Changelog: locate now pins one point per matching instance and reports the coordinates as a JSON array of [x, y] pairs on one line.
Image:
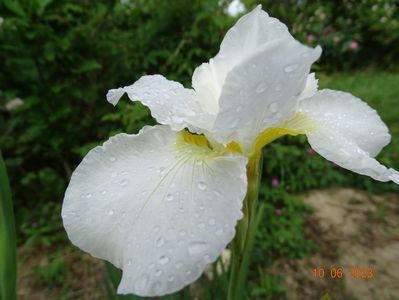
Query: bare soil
[[354, 231]]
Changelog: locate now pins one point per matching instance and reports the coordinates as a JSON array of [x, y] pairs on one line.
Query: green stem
[[242, 244], [8, 265]]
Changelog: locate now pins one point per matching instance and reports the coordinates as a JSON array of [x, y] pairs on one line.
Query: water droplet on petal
[[129, 262], [124, 182], [290, 68], [219, 232], [158, 273], [169, 197], [163, 260], [261, 87], [141, 283], [110, 212], [211, 222], [171, 278], [178, 265], [112, 158], [273, 107], [151, 266], [202, 185], [197, 247], [278, 87], [160, 242]]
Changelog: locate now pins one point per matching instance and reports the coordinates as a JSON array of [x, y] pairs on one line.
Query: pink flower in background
[[354, 45], [275, 182], [311, 151], [279, 211], [311, 38]]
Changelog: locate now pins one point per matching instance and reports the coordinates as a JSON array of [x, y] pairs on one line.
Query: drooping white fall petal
[[156, 206], [346, 131]]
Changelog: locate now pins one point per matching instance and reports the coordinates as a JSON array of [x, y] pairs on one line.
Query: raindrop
[[88, 195], [158, 273], [141, 283], [261, 87], [290, 68], [202, 185], [103, 192], [114, 174], [151, 266], [171, 278], [178, 265], [183, 233], [163, 260], [129, 262], [278, 87], [112, 158], [156, 287], [161, 170], [197, 247], [273, 107], [110, 212], [124, 182], [211, 222], [169, 197], [160, 242]]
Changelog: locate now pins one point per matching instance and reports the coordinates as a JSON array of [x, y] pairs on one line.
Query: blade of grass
[[8, 264]]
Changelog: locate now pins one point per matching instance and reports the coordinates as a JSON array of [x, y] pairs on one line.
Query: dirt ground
[[353, 230]]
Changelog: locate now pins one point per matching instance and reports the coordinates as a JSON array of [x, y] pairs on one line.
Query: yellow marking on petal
[[198, 146], [195, 139], [234, 147], [300, 124]]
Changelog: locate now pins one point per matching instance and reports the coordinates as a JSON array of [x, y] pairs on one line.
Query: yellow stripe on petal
[[300, 124]]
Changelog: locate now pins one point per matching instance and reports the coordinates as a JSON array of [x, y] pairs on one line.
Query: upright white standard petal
[[251, 32], [170, 103], [157, 205], [254, 82], [345, 130]]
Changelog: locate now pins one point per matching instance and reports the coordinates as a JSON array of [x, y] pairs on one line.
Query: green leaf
[[15, 7], [8, 265], [88, 66]]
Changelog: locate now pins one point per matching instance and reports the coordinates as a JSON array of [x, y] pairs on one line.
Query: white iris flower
[[164, 203]]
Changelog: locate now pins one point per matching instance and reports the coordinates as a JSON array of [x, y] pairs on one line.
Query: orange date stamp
[[341, 272]]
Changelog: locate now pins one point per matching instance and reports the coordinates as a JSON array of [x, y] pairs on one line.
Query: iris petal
[[156, 205]]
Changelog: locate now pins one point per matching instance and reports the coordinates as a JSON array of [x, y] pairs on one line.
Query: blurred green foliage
[[352, 33]]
